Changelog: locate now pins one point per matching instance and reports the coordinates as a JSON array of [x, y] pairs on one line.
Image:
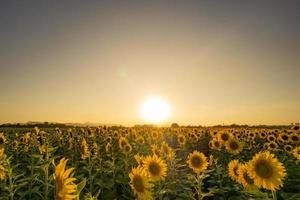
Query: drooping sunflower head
[[296, 152], [197, 162], [233, 168], [65, 189], [233, 146], [155, 167], [140, 184], [108, 147], [84, 149], [167, 151], [245, 179], [267, 171], [2, 172]]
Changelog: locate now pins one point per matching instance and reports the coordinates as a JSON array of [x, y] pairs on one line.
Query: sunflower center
[[138, 183], [154, 168], [234, 145], [127, 148], [294, 138], [217, 144], [263, 169], [225, 137], [196, 161], [288, 148], [284, 137], [123, 143], [235, 171]]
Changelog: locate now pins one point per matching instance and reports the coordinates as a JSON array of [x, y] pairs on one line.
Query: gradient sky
[[214, 61]]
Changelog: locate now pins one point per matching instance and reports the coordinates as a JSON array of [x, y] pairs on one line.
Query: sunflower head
[[271, 138], [197, 162], [288, 148], [245, 179], [167, 151], [122, 142], [294, 138], [224, 136], [65, 189], [215, 144], [155, 167], [233, 168], [266, 171], [296, 152], [233, 146], [140, 184], [127, 149], [272, 146], [181, 139]]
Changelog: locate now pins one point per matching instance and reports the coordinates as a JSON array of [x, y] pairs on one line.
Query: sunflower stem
[[274, 195]]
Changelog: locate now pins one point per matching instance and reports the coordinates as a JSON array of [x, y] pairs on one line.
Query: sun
[[155, 110]]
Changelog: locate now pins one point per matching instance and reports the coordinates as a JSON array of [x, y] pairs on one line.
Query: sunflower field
[[149, 163]]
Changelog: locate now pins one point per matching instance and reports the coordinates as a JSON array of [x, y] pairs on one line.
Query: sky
[[214, 62]]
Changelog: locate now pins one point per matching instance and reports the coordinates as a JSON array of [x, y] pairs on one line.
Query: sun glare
[[155, 110]]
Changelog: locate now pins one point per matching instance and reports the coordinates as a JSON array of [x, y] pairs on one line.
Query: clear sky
[[214, 61]]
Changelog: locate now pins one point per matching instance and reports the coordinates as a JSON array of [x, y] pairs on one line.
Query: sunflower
[[155, 149], [296, 152], [262, 135], [271, 138], [233, 168], [294, 138], [122, 142], [140, 140], [224, 136], [65, 189], [2, 168], [267, 171], [155, 135], [140, 184], [181, 139], [107, 147], [197, 162], [3, 139], [109, 139], [233, 146], [167, 151], [272, 146], [155, 167], [288, 148], [84, 149], [139, 159], [127, 149], [245, 179], [284, 137], [216, 144], [2, 172]]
